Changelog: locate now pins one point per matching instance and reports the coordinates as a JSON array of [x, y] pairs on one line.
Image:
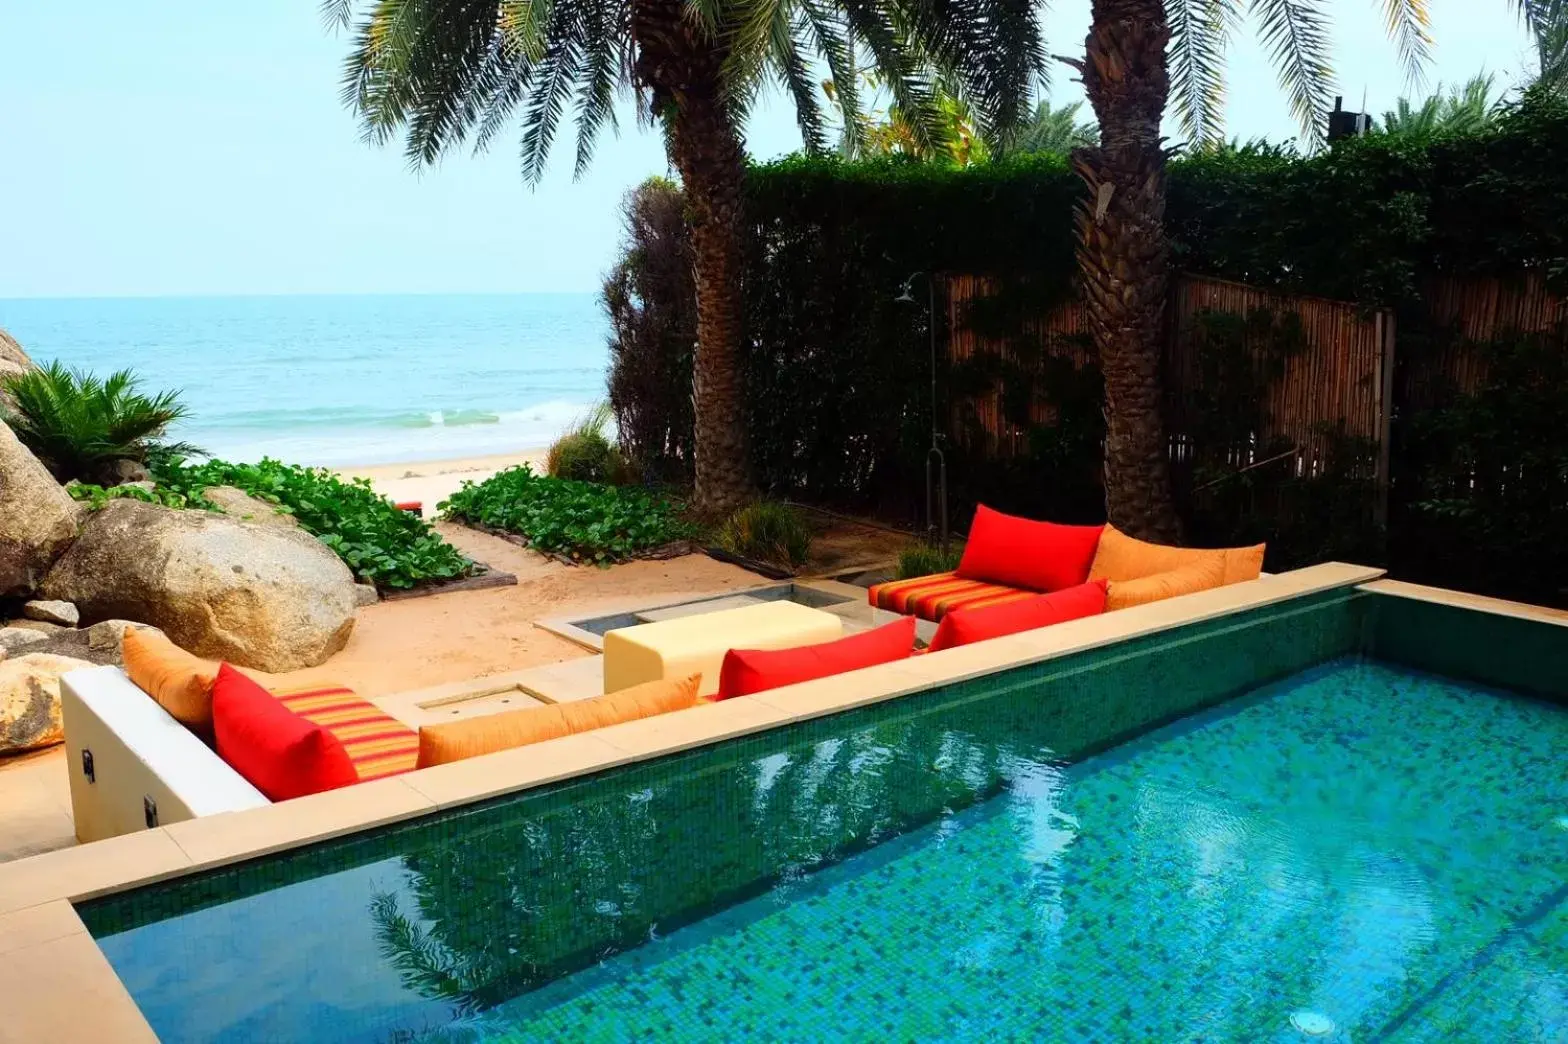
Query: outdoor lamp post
[[936, 461]]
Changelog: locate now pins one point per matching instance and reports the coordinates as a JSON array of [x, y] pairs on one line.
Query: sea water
[[339, 380]]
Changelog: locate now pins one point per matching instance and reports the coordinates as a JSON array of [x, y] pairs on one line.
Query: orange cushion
[[456, 740], [1020, 552], [965, 626], [746, 671], [180, 682], [933, 597], [377, 743], [280, 753], [1199, 576], [1121, 557]]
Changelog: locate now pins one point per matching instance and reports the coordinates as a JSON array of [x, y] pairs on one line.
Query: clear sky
[[199, 147]]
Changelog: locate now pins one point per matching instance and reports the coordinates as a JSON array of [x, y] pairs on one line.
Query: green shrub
[[380, 544], [923, 559], [95, 497], [767, 532], [80, 426], [585, 454], [581, 520]]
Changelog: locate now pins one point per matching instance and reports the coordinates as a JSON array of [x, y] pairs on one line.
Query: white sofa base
[[146, 768]]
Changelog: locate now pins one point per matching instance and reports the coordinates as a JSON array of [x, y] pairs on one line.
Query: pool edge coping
[[44, 888]]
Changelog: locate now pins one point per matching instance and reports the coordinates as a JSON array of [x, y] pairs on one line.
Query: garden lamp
[[936, 461]]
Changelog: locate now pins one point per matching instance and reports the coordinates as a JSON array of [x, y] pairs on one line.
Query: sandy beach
[[431, 481]]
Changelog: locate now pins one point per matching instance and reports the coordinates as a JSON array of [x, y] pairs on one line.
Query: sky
[[192, 147]]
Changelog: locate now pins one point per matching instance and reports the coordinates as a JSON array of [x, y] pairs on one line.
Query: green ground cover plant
[[579, 520], [767, 531], [380, 544]]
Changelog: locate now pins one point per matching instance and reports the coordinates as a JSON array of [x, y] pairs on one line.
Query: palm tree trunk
[[1123, 259], [682, 67]]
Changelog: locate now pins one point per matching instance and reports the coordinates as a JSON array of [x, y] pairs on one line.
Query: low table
[[691, 644]]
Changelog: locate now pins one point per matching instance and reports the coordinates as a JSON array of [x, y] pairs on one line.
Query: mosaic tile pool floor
[[1378, 848], [1359, 853]]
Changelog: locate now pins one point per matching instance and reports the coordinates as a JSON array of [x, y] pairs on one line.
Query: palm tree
[[1463, 110], [1053, 129], [1137, 54], [439, 71]]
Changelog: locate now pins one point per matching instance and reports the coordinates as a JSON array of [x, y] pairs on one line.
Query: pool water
[[1359, 852]]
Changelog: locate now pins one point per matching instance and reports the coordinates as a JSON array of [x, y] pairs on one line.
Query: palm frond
[[1200, 32], [1409, 22], [1295, 33], [77, 423]]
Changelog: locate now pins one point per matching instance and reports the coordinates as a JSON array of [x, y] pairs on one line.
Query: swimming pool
[[1273, 826]]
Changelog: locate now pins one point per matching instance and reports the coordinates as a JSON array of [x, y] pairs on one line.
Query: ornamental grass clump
[[925, 559], [769, 532], [586, 453], [584, 521]]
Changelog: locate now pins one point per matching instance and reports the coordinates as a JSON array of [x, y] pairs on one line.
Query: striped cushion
[[377, 743], [933, 597]]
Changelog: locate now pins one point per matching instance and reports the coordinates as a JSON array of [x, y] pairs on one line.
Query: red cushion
[[746, 671], [283, 755], [962, 626], [1020, 552]]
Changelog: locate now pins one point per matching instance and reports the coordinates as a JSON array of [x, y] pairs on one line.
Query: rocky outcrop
[[258, 595], [38, 519], [366, 594], [30, 700], [236, 503]]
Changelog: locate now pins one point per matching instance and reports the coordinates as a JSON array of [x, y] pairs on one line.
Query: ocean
[[340, 380]]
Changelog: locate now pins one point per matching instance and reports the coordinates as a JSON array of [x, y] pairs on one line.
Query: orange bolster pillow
[[179, 682], [457, 740], [1200, 576]]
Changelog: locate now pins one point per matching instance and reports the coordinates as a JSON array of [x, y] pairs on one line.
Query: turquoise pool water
[[1359, 852]]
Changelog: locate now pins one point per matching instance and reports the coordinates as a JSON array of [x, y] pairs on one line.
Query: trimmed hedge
[[837, 383]]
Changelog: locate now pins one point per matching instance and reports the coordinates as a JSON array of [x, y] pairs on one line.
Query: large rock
[[13, 360], [236, 503], [38, 519], [62, 613], [30, 700], [257, 595]]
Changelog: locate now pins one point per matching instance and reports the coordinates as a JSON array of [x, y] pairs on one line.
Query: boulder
[[38, 518], [366, 594], [105, 635], [258, 595], [236, 503], [12, 361], [124, 473], [62, 613], [30, 700], [15, 640]]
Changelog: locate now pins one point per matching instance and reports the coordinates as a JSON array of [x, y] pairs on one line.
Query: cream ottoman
[[691, 644]]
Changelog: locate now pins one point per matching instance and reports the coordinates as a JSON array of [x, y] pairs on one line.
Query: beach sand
[[432, 481]]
